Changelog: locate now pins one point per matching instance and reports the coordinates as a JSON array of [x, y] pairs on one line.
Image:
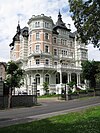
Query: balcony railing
[[39, 53], [68, 57], [40, 66], [50, 66]]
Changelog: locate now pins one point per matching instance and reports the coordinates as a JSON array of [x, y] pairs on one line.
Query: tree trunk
[[9, 97]]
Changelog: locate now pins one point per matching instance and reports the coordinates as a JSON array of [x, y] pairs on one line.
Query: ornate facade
[[48, 52]]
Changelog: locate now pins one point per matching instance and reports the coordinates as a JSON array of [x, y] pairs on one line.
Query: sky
[[12, 11]]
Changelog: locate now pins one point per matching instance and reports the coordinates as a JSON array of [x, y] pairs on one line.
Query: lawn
[[86, 121]]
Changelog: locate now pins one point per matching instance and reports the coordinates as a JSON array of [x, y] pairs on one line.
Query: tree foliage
[[89, 71], [14, 75], [45, 87], [98, 73], [86, 16], [13, 79]]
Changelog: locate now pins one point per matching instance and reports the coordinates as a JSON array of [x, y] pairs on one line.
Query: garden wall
[[18, 101], [90, 93]]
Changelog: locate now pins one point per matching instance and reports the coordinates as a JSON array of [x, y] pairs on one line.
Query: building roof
[[38, 17], [3, 63], [60, 24], [24, 32]]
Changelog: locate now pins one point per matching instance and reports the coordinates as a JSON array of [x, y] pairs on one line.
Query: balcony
[[35, 53], [39, 53], [50, 67], [67, 67], [40, 67], [65, 57]]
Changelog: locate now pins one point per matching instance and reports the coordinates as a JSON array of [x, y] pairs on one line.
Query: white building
[[48, 52]]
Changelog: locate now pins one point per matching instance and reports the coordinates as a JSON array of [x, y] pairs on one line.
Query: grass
[[86, 121]]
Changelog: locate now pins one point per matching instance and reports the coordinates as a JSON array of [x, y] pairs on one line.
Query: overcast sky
[[13, 10]]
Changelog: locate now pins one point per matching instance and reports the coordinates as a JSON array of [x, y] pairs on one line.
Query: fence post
[[66, 92], [34, 90]]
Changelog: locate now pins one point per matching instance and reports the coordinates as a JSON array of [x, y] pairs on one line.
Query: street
[[46, 109]]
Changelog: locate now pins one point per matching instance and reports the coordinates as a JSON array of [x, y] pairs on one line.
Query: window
[[84, 54], [64, 52], [47, 62], [30, 80], [37, 48], [61, 41], [55, 63], [37, 36], [46, 36], [46, 49], [55, 40], [65, 42], [30, 37], [71, 44], [30, 62], [47, 78], [46, 25], [71, 54], [37, 61], [37, 77], [30, 51], [37, 24], [55, 51]]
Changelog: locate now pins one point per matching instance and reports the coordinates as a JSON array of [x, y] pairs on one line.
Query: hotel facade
[[48, 52]]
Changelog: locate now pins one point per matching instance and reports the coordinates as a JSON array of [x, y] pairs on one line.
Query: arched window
[[37, 77], [35, 24], [47, 78]]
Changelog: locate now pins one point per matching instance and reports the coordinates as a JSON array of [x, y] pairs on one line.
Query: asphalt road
[[47, 108]]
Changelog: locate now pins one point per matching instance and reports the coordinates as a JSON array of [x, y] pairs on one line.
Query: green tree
[[13, 79], [89, 71], [86, 16], [45, 87], [98, 73]]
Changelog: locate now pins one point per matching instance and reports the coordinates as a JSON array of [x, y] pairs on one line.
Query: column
[[69, 77], [60, 77], [78, 78]]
